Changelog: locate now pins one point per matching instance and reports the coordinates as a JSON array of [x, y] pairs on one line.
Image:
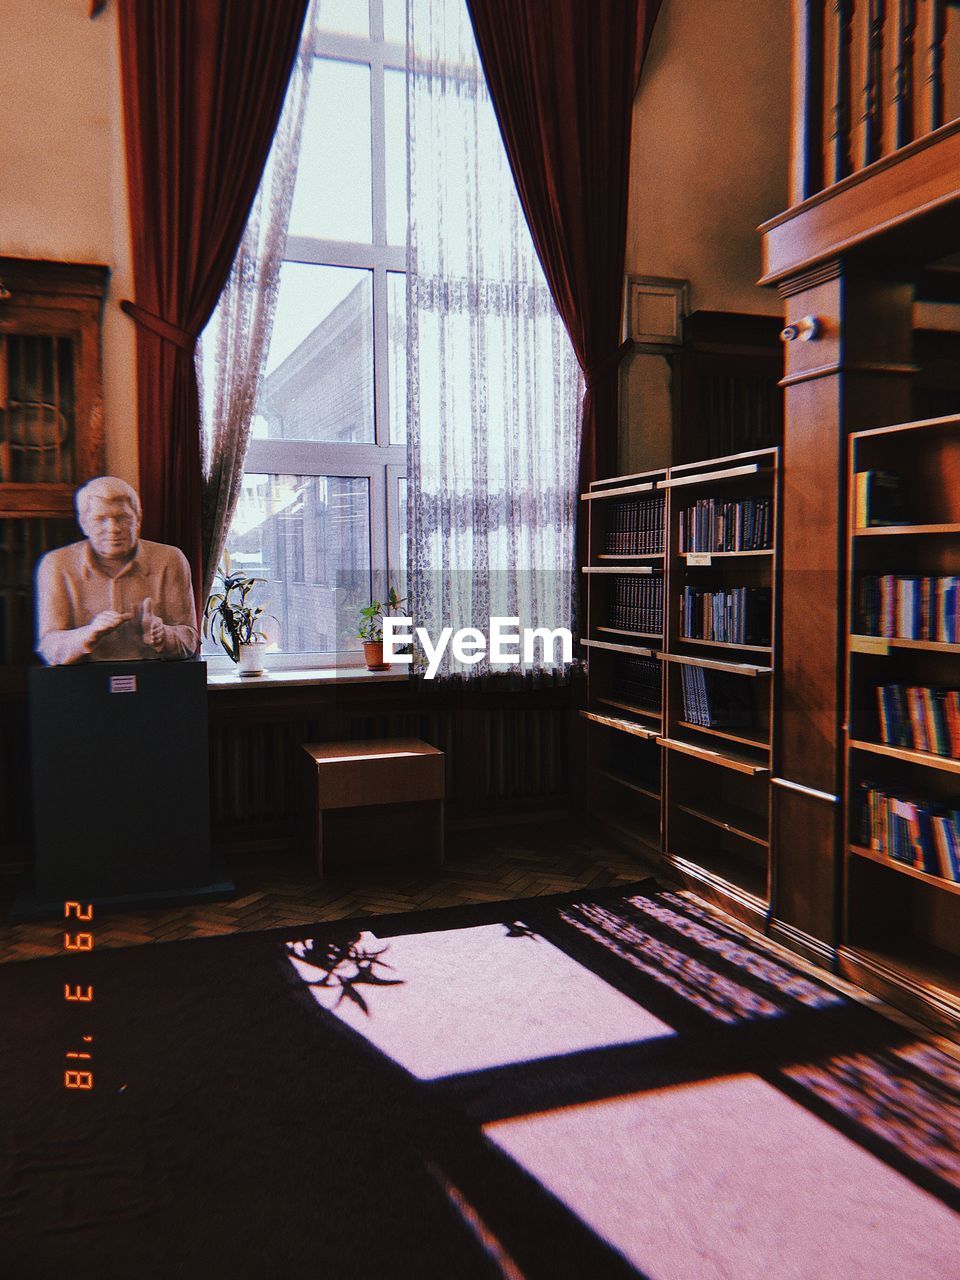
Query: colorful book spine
[[738, 616], [712, 526], [920, 718], [910, 607], [920, 833]]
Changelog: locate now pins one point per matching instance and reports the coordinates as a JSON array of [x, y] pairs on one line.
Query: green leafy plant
[[227, 615], [370, 629]]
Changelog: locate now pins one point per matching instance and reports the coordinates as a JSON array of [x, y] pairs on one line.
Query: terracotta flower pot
[[373, 655]]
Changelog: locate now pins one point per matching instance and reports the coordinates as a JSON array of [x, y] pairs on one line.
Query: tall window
[[322, 515]]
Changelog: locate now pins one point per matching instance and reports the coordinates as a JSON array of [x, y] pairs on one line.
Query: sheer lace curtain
[[494, 388], [233, 348]]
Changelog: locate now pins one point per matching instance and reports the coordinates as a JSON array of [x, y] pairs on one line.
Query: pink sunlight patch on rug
[[731, 1180], [476, 998]]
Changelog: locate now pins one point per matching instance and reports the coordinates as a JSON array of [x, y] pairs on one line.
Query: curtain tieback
[[162, 328], [606, 368]]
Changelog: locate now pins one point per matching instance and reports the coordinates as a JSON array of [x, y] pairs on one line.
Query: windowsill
[[293, 677]]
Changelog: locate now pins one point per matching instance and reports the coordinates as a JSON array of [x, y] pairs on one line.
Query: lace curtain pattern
[[233, 348], [493, 386]]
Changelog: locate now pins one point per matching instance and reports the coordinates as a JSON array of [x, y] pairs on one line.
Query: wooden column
[[856, 373]]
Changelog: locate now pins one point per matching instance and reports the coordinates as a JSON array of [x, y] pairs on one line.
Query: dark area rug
[[506, 1090]]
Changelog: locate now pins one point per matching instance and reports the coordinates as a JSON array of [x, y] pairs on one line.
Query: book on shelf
[[910, 607], [742, 525], [740, 615], [877, 499], [636, 603], [921, 833], [920, 718], [716, 699], [637, 681], [636, 527]]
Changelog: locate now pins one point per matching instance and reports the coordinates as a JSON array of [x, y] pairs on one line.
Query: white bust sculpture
[[114, 597]]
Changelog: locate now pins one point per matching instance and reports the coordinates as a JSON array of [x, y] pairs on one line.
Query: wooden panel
[[37, 500], [854, 376], [923, 178], [804, 835]]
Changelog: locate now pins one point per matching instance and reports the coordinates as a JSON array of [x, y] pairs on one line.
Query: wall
[[63, 177], [709, 162]]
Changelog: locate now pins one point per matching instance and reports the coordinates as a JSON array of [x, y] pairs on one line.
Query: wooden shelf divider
[[948, 764], [717, 664], [623, 726], [726, 759], [904, 868], [904, 530]]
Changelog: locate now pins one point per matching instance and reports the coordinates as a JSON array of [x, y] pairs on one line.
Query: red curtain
[[203, 86], [563, 75]]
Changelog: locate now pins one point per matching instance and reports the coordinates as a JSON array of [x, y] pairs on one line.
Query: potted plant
[[234, 623], [370, 630]]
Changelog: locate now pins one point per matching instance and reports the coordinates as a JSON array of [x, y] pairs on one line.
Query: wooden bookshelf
[[703, 790], [900, 931], [717, 772]]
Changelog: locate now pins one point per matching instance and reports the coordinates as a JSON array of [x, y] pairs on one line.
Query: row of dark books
[[920, 718], [877, 499], [738, 616], [636, 603], [716, 699], [636, 528], [637, 681], [910, 607], [921, 833], [743, 525]]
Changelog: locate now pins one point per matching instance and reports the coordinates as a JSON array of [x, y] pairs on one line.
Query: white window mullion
[[344, 253]]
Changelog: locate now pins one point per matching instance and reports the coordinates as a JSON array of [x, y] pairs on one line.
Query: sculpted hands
[[103, 624], [153, 632]]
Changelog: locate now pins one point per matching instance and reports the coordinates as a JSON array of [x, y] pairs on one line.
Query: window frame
[[381, 462]]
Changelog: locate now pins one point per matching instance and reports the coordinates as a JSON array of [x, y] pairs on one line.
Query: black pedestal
[[121, 790]]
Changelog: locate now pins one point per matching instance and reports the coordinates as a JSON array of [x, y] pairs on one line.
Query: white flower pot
[[251, 659]]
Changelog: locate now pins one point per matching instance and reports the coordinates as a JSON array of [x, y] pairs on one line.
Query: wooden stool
[[347, 775]]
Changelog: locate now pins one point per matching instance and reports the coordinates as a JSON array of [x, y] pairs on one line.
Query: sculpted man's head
[[108, 511]]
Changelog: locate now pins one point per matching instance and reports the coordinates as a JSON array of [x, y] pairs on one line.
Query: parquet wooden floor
[[489, 864]]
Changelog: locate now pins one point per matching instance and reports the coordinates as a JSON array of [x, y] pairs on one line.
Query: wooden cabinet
[[51, 441], [51, 422], [901, 847], [681, 638]]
